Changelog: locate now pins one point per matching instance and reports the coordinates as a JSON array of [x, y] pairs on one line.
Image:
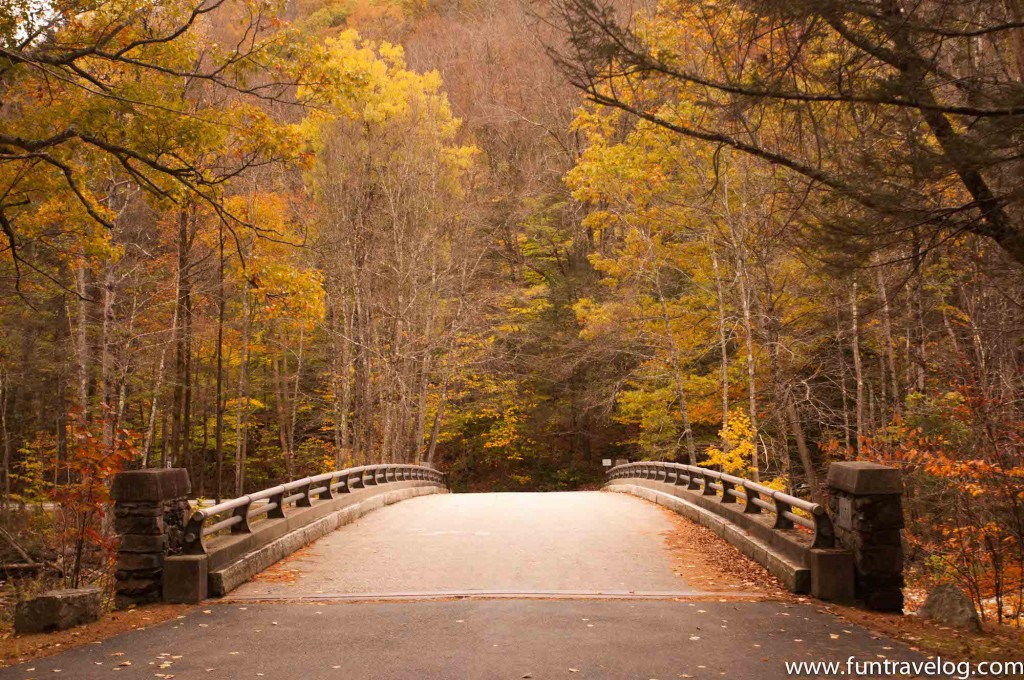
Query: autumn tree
[[898, 120], [399, 251]]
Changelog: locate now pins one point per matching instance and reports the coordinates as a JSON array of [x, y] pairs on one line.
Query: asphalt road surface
[[424, 640], [568, 585]]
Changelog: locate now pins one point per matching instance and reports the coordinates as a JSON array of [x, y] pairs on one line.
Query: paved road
[[580, 542], [584, 545], [474, 639]]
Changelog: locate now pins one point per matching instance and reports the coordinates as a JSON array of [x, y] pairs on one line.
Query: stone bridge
[[423, 583]]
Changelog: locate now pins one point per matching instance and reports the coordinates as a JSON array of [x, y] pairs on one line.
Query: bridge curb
[[825, 573], [223, 581], [232, 559]]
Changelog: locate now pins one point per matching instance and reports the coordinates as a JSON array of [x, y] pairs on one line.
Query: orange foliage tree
[[961, 455], [82, 503]]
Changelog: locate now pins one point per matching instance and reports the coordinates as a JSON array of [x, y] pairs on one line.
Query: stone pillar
[[865, 500], [150, 511]]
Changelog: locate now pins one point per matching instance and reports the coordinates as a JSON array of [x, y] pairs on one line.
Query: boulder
[[947, 604], [58, 610]]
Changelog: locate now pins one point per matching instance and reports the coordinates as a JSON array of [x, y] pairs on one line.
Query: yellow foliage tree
[[740, 449]]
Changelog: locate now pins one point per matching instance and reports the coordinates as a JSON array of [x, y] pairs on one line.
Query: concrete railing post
[[865, 500], [150, 511]]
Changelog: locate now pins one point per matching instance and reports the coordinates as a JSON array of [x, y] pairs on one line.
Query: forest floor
[[1003, 643], [712, 563], [708, 562], [15, 649]]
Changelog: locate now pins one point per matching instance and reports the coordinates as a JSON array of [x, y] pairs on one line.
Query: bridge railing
[[237, 514], [757, 498]]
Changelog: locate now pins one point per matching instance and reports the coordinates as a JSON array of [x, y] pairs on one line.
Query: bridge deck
[[495, 543], [531, 543]]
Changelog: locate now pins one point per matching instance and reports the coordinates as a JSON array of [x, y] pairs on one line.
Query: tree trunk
[[83, 340], [435, 430], [858, 371], [332, 310], [917, 310], [158, 383], [219, 427], [182, 400], [108, 405], [748, 329], [890, 346], [420, 428], [278, 367], [5, 435], [722, 341], [241, 422], [842, 375], [801, 447], [295, 396], [204, 450]]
